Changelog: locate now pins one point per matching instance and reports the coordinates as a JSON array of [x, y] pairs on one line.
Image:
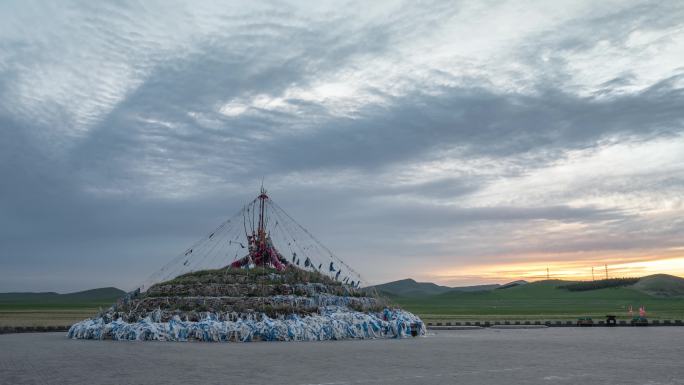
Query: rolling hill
[[410, 288], [87, 298], [663, 296], [661, 285], [660, 294]]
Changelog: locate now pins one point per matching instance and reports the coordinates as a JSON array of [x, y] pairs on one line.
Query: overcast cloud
[[411, 137]]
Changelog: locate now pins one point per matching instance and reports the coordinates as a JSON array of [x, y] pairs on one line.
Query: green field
[[52, 309], [663, 297], [45, 317], [539, 301]]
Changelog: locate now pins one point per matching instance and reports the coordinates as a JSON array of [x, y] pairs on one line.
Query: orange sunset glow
[[611, 267]]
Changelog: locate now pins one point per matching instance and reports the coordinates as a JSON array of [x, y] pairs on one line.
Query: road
[[538, 356]]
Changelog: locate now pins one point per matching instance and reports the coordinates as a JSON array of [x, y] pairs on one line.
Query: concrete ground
[[527, 356]]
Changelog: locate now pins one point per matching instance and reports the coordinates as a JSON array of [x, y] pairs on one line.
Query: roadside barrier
[[446, 325]]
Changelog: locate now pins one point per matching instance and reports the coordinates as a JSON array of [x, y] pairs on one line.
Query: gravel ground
[[527, 356]]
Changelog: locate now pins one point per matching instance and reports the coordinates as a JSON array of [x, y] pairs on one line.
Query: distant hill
[[661, 285], [411, 288], [513, 284], [658, 285], [542, 299], [93, 297], [470, 289]]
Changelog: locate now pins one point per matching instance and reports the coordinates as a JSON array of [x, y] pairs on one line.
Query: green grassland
[[543, 300], [52, 309], [45, 317], [662, 295]]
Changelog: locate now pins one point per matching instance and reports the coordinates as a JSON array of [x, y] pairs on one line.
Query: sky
[[454, 142]]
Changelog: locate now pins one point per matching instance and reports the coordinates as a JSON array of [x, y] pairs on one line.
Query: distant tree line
[[600, 284]]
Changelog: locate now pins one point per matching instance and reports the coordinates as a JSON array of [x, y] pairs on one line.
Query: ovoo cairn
[[260, 296]]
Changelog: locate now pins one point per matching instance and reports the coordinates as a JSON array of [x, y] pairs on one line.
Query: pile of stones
[[230, 294]]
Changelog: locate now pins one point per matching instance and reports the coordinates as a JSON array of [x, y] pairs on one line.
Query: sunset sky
[[454, 142]]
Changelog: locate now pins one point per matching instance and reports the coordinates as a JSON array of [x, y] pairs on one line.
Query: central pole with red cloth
[[261, 250]]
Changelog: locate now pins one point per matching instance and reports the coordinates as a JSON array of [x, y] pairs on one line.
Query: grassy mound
[[255, 275], [661, 285], [233, 293]]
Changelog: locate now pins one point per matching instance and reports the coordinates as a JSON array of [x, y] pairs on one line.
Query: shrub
[[600, 284]]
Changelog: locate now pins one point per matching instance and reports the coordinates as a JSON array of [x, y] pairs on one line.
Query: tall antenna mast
[[606, 271], [593, 278], [548, 276]]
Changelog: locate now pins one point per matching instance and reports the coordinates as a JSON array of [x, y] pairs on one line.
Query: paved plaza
[[538, 356]]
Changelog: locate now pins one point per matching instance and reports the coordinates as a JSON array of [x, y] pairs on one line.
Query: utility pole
[[606, 271], [593, 278], [548, 276]]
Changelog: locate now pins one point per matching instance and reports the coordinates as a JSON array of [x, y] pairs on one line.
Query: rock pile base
[[333, 323], [258, 304]]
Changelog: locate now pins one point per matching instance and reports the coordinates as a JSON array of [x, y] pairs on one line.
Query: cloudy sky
[[455, 142]]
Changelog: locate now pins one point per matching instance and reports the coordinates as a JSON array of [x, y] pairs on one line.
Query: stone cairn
[[260, 296], [230, 294]]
